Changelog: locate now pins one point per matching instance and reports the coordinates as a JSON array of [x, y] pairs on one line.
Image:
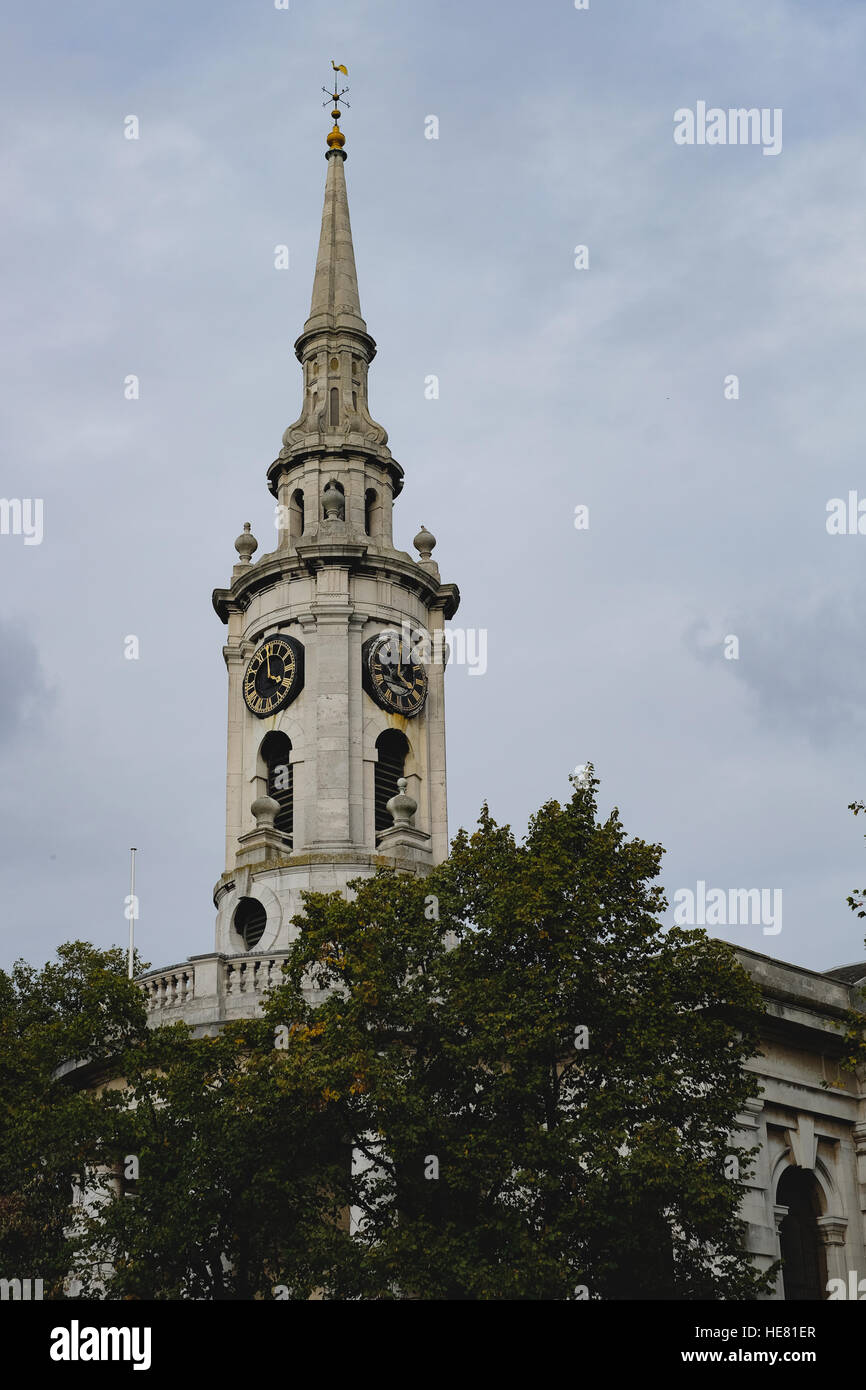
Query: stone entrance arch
[[799, 1203]]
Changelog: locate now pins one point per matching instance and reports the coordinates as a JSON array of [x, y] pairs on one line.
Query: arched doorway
[[804, 1265]]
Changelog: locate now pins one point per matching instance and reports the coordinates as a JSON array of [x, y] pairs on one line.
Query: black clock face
[[274, 676], [391, 677]]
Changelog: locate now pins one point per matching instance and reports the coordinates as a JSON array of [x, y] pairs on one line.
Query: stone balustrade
[[253, 974], [209, 990], [168, 989]]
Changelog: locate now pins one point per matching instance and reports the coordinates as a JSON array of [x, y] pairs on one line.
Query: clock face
[[390, 676], [274, 676]]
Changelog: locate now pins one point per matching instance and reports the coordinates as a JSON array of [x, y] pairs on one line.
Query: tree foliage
[[561, 1167], [519, 1084], [81, 1006]]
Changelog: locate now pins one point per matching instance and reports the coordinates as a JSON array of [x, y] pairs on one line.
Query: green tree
[[537, 1082], [232, 1163], [540, 1078], [81, 1006], [199, 1164]]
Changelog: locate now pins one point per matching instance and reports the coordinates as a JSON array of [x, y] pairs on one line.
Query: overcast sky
[[559, 387]]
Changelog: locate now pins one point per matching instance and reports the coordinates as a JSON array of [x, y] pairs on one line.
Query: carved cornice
[[360, 558]]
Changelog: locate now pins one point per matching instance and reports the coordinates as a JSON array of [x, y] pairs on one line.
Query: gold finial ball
[[336, 139]]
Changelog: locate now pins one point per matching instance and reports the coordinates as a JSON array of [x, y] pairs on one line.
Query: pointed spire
[[335, 349], [335, 303]]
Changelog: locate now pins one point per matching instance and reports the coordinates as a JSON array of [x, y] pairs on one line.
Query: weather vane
[[336, 96], [336, 139]]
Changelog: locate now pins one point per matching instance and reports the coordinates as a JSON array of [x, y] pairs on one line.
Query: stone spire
[[310, 768], [335, 349], [335, 303]]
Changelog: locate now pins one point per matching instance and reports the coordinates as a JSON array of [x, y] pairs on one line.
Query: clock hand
[[395, 678]]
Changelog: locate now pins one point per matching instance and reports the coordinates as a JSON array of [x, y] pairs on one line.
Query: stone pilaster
[[437, 796], [833, 1234], [235, 654], [331, 694], [779, 1214]]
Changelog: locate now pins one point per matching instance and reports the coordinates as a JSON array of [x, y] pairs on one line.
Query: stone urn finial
[[334, 502], [401, 806], [424, 542], [264, 808], [246, 544]]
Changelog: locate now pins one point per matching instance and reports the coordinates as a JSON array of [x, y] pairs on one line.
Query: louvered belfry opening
[[250, 921], [276, 752], [392, 747]]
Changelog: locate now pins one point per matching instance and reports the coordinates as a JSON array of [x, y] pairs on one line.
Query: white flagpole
[[131, 908]]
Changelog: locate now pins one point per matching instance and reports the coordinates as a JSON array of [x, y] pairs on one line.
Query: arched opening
[[249, 921], [370, 510], [804, 1264], [276, 751], [296, 514], [334, 396], [392, 748]]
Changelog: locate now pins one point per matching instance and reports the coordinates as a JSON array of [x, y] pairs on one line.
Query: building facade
[[806, 1201]]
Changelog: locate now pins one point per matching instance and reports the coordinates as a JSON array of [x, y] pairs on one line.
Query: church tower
[[335, 648]]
